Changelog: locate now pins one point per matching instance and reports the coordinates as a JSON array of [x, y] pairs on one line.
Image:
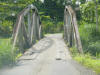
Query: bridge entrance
[[28, 28], [50, 55]]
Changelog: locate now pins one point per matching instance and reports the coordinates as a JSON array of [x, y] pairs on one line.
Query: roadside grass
[[88, 61], [5, 52], [90, 39]]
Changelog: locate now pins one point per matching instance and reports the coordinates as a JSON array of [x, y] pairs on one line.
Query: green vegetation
[[5, 52], [91, 44], [90, 38], [89, 29], [52, 14], [9, 10], [88, 61], [51, 26]]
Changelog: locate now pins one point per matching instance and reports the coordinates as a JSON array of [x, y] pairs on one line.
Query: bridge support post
[[71, 29], [29, 27], [26, 33]]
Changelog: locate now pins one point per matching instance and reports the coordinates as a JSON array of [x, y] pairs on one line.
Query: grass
[[90, 38], [91, 46], [5, 52], [89, 62]]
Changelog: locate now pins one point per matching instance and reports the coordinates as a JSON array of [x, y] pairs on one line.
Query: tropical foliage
[[52, 14]]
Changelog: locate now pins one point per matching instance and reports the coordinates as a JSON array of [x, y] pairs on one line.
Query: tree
[[7, 8], [54, 8], [96, 13]]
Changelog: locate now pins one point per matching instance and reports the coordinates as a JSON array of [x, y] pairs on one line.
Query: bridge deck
[[49, 56]]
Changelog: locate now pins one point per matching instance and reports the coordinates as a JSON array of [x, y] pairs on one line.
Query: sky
[[42, 0]]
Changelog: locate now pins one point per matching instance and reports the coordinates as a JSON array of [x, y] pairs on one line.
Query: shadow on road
[[41, 46], [35, 51]]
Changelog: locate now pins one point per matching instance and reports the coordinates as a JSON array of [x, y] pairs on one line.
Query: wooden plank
[[20, 41], [40, 32], [25, 35], [37, 26], [75, 25], [29, 26], [77, 35], [33, 30], [29, 35], [16, 33], [65, 28]]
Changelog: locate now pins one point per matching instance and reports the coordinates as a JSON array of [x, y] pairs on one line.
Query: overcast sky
[[42, 0]]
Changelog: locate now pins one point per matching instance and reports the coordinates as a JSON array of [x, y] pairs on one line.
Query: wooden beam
[[75, 27], [27, 34]]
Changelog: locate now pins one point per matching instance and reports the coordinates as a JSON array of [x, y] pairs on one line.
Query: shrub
[[74, 51], [6, 26], [45, 18], [90, 38], [94, 48], [48, 26], [59, 27], [5, 52]]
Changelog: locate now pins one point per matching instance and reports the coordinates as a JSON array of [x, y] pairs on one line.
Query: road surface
[[50, 56]]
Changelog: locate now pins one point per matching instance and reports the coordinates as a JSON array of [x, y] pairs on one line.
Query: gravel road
[[50, 56]]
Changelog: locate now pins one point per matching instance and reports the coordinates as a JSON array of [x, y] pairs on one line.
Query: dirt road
[[50, 56]]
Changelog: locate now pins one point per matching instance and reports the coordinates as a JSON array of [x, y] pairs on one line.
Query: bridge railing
[[71, 33], [27, 28]]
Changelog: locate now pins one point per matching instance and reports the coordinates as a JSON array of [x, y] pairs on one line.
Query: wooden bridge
[[28, 28], [50, 55]]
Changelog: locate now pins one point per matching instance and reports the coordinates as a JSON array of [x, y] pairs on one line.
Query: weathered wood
[[20, 40], [29, 25], [35, 27], [72, 33], [26, 34], [79, 45], [40, 32], [65, 27], [33, 33], [16, 32], [38, 26]]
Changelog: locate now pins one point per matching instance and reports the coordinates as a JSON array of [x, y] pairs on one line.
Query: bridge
[[46, 54]]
